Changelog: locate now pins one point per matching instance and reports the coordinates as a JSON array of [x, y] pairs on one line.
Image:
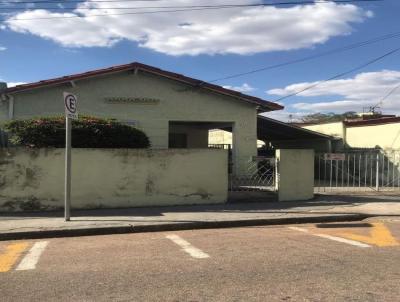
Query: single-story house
[[274, 134], [366, 132], [175, 111]]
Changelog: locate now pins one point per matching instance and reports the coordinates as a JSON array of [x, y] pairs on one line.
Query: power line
[[333, 51], [74, 1], [389, 94], [115, 14], [198, 8], [181, 6], [386, 96], [339, 75], [116, 1], [380, 103], [178, 7]]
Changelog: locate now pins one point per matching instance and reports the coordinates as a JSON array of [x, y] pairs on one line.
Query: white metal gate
[[259, 176], [361, 170]]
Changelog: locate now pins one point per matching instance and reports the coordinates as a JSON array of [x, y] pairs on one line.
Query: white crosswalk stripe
[[333, 238], [343, 240], [187, 247], [31, 259]]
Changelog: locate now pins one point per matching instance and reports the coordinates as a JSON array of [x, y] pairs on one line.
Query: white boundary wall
[[32, 179]]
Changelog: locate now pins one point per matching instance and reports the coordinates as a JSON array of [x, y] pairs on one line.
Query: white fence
[[361, 170]]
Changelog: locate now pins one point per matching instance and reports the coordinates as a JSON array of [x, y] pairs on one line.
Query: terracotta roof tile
[[371, 122]]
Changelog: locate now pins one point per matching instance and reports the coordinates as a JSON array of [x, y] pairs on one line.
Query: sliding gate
[[361, 170]]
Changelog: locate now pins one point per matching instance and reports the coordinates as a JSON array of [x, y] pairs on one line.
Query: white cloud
[[244, 88], [363, 90], [235, 30], [12, 84], [2, 48]]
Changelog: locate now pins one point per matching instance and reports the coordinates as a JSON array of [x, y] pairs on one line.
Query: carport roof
[[263, 105], [269, 129]]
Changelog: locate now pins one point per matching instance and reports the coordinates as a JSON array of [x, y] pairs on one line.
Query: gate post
[[295, 174], [377, 172]]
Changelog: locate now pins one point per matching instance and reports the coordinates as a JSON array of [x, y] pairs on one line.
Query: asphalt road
[[327, 262]]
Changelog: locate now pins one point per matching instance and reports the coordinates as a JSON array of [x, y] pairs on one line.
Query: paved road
[[327, 262]]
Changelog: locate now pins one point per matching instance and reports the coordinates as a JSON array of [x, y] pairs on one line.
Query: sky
[[49, 40]]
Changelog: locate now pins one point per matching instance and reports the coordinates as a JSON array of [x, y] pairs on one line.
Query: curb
[[178, 226]]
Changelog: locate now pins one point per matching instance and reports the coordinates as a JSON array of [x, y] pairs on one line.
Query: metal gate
[[361, 170], [259, 176]]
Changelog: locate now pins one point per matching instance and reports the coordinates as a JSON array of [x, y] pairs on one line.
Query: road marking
[[299, 229], [343, 240], [334, 238], [31, 259], [13, 251], [187, 247], [379, 236]]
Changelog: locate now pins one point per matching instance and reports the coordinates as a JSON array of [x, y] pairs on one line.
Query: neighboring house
[[175, 111], [274, 134], [217, 137], [376, 131]]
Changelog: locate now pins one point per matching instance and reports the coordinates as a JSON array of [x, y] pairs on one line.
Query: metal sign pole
[[377, 172], [67, 200], [71, 112]]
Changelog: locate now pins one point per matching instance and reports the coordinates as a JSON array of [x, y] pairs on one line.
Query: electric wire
[[304, 59], [221, 6], [387, 95], [117, 1], [169, 10], [340, 74]]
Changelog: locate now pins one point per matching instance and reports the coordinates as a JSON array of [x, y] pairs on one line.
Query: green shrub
[[87, 132]]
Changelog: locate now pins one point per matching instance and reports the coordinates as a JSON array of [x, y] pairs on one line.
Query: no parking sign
[[71, 112], [71, 105]]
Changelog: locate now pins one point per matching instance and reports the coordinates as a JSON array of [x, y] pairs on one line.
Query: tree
[[87, 132], [328, 117]]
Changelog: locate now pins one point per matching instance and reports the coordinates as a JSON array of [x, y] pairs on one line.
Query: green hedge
[[87, 132]]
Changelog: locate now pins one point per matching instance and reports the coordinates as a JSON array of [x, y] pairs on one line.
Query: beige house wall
[[34, 178], [334, 129], [177, 102], [218, 137], [295, 174], [385, 136]]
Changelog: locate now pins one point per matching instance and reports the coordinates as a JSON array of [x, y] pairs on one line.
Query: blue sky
[[212, 44]]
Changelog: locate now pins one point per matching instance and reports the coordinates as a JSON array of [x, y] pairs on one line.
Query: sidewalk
[[324, 208]]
